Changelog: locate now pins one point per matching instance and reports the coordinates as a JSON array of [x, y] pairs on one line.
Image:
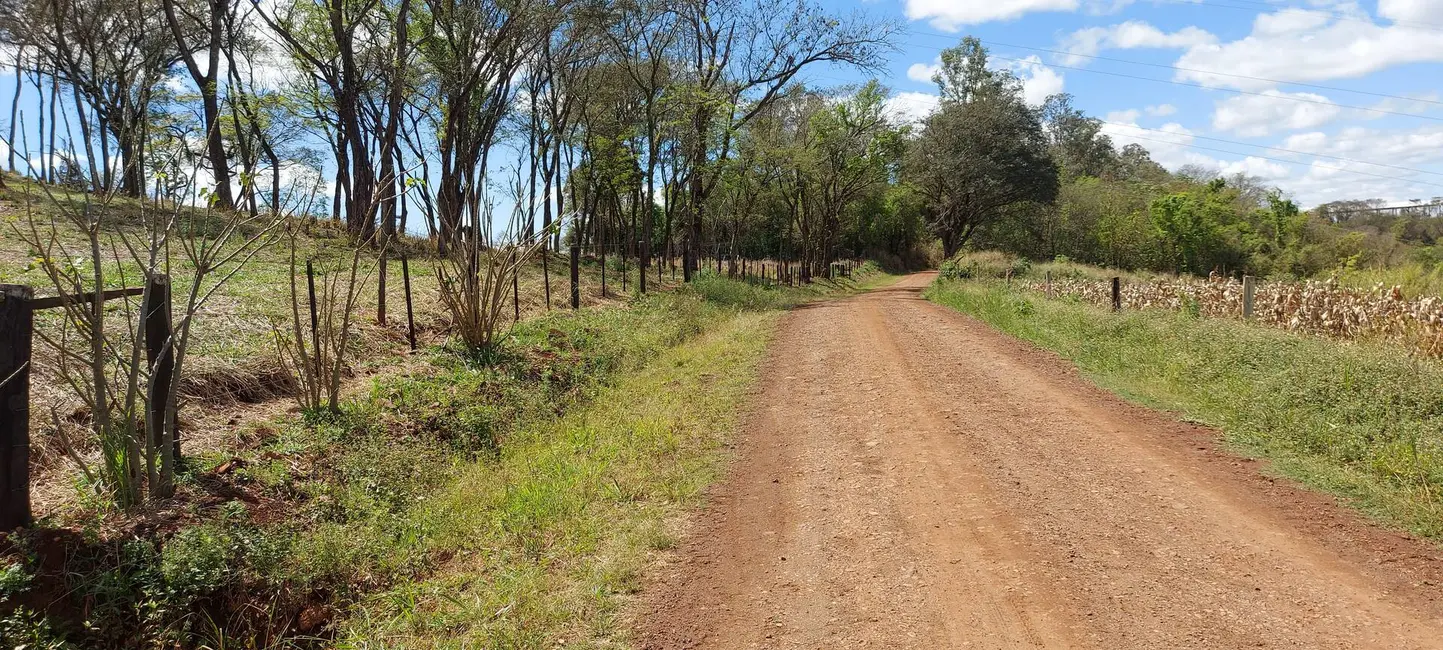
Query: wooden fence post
[[686, 265], [576, 276], [160, 356], [410, 314], [17, 323], [315, 322], [643, 256], [1116, 293], [516, 294], [1048, 285], [546, 272], [1248, 289], [382, 265]]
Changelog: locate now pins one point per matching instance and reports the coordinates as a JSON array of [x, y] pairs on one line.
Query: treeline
[[645, 126], [1046, 182]]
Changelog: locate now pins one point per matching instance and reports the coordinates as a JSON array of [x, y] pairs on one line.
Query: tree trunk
[[15, 104]]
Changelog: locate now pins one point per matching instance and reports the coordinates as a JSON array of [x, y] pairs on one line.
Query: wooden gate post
[[1116, 293], [17, 323], [576, 276], [160, 357], [546, 271], [410, 313]]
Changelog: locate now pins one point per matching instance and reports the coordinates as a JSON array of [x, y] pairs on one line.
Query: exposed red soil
[[910, 477]]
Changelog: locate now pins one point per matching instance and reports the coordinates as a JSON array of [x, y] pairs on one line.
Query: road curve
[[910, 478]]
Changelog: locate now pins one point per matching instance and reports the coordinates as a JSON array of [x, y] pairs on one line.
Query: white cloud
[[951, 15], [1255, 116], [1330, 179], [1289, 21], [1168, 144], [1410, 10], [1254, 166], [1419, 148], [923, 72], [1038, 80], [1408, 103], [1128, 116], [910, 107], [1312, 180], [1297, 46], [1132, 34], [1161, 110]]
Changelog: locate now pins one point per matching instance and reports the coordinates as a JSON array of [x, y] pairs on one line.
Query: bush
[[983, 265]]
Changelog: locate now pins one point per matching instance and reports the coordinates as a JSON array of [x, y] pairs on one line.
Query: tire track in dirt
[[909, 477]]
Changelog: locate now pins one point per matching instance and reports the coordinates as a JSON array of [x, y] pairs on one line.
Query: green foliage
[[984, 265], [1359, 420], [24, 629], [14, 579], [982, 152]]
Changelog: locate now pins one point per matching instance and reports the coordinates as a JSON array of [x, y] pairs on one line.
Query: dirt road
[[910, 478]]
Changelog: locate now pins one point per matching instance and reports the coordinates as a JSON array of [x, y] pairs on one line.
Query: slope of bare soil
[[911, 478]]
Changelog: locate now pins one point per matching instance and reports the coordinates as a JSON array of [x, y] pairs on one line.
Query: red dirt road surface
[[910, 478]]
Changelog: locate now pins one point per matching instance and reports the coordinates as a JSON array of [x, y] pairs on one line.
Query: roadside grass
[[501, 500], [990, 265], [757, 294], [1362, 421], [545, 541]]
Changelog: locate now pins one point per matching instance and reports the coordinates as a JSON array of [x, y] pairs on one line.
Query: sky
[[1325, 100]]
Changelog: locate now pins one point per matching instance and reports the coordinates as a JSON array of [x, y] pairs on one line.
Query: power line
[[1197, 71], [1254, 155], [1336, 15], [1287, 162], [1292, 151], [1283, 96]]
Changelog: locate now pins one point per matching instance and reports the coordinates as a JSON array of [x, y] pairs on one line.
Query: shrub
[[982, 265]]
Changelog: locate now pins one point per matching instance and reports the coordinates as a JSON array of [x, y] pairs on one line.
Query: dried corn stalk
[[1320, 307]]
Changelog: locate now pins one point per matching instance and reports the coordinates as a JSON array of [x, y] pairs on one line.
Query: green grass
[[1416, 279], [546, 541], [502, 500], [755, 294], [1362, 421]]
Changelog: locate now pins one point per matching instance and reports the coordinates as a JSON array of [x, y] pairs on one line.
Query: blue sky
[[1325, 100], [1279, 110]]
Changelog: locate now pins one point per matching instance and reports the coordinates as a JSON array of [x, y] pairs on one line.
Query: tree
[[202, 30], [112, 56], [855, 145], [1077, 141], [981, 152], [741, 54]]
